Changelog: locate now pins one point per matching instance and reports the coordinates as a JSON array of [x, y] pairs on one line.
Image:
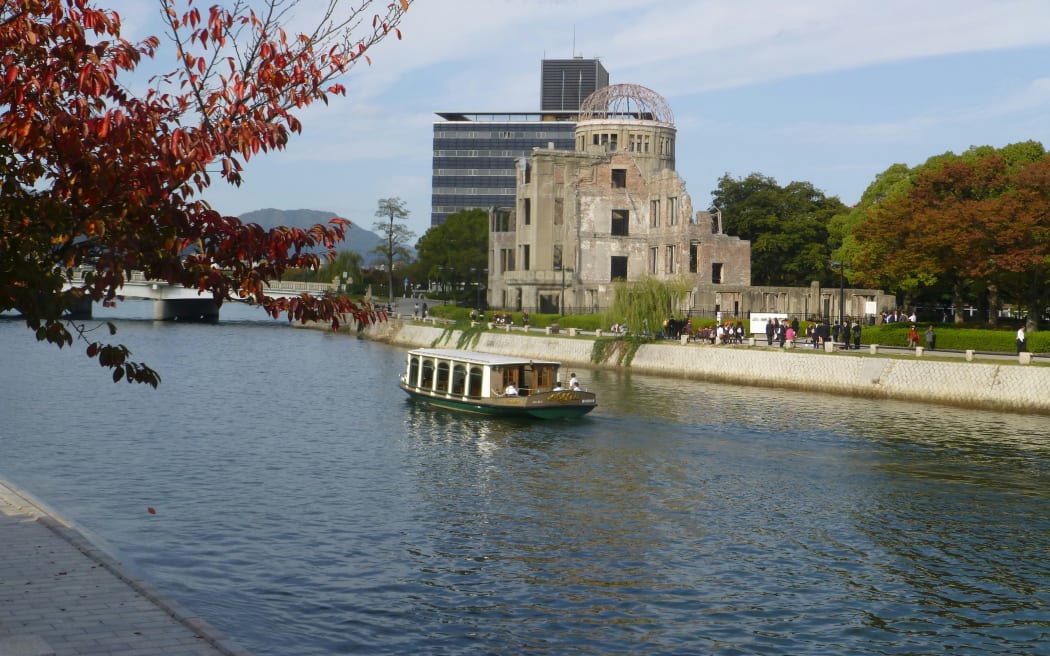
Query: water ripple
[[305, 506]]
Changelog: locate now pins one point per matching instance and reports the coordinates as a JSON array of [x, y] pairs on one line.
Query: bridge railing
[[278, 286], [299, 286]]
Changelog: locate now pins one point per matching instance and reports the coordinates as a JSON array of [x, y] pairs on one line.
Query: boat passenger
[[511, 390], [558, 387], [574, 386]]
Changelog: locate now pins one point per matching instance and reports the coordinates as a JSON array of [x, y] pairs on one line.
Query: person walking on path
[[931, 338], [1022, 343], [913, 337]]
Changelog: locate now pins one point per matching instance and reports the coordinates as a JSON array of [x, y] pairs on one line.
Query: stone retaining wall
[[1007, 387]]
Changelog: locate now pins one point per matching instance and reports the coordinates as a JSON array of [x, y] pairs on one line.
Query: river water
[[305, 506]]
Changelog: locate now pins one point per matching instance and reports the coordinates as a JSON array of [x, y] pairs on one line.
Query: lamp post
[[477, 282], [562, 297], [842, 288]]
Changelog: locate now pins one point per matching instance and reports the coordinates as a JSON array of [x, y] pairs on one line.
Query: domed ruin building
[[613, 208]]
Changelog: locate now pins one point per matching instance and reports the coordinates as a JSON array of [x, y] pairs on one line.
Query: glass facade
[[474, 158], [474, 153]]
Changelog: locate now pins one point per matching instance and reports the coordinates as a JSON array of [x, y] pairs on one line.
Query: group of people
[[506, 318], [777, 331], [897, 316], [574, 386], [416, 309], [931, 337], [847, 332]]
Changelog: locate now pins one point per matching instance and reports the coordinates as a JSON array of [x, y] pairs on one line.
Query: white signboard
[[758, 321]]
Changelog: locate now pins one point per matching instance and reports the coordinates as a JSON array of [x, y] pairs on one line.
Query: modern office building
[[475, 152], [566, 83]]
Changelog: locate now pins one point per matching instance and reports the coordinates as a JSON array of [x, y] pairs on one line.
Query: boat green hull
[[565, 405]]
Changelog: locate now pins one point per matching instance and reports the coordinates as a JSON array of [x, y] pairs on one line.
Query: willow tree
[[645, 304], [96, 174]]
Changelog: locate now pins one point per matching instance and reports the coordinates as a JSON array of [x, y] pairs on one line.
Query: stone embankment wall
[[1007, 387]]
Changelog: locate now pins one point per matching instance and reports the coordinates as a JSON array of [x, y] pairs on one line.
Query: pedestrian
[[769, 332], [913, 337], [931, 338], [1022, 343], [424, 310], [415, 310], [856, 335]]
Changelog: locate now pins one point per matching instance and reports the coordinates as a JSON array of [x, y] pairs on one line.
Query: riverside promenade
[[996, 384], [62, 596]]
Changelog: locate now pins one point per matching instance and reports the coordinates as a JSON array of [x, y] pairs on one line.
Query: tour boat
[[488, 384]]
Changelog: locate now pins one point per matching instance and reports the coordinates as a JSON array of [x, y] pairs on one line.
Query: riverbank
[[61, 594], [1004, 386]]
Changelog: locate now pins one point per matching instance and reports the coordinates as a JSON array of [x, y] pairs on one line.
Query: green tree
[[345, 262], [457, 250], [787, 227], [395, 237]]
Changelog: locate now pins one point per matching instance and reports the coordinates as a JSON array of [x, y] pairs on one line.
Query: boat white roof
[[476, 357]]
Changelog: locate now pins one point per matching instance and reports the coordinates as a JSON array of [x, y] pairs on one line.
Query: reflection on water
[[306, 506]]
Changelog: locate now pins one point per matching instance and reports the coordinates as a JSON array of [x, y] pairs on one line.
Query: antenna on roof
[[574, 40]]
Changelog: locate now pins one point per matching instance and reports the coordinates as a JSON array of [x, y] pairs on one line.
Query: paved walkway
[[62, 596]]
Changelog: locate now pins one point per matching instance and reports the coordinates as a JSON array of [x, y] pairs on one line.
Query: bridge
[[177, 303]]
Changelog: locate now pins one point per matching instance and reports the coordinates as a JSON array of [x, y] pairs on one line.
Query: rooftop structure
[[474, 152]]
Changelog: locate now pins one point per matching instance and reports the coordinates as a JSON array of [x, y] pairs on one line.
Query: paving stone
[[62, 596]]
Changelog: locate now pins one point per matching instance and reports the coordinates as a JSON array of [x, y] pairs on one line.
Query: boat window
[[543, 377], [475, 381], [442, 377], [413, 371], [459, 379], [428, 374]]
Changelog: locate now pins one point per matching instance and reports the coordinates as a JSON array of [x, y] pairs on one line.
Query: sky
[[830, 92]]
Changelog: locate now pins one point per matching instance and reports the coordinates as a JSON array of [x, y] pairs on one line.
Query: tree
[[395, 235], [787, 227], [346, 267], [457, 250], [645, 304], [976, 218], [93, 175], [841, 238]]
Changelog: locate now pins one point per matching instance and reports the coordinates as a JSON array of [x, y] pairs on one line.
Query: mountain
[[357, 240]]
